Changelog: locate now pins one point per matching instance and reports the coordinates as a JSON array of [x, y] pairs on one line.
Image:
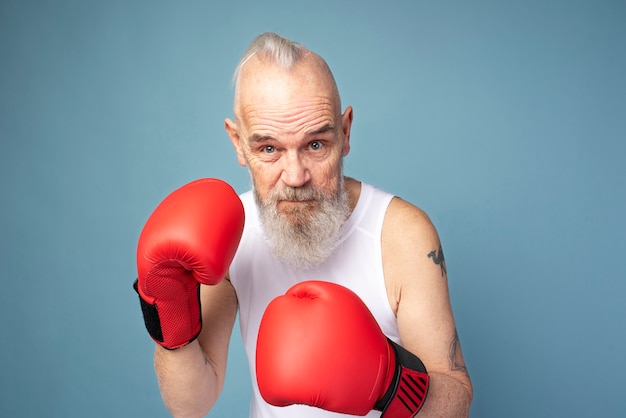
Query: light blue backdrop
[[504, 120]]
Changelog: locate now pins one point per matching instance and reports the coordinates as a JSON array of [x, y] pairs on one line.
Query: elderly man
[[341, 287]]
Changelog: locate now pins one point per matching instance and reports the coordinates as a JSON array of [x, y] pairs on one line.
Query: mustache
[[296, 194]]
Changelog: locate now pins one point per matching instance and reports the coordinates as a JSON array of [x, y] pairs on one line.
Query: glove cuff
[[153, 323], [409, 387]]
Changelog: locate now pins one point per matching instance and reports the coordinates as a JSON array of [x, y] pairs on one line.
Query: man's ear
[[235, 139], [346, 125]]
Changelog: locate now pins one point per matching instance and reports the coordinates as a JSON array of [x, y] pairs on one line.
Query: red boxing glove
[[190, 238], [319, 345]]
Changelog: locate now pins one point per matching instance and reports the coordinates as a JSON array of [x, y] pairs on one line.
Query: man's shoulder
[[403, 218], [401, 215]]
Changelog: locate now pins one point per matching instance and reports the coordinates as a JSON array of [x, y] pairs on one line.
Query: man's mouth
[[295, 204]]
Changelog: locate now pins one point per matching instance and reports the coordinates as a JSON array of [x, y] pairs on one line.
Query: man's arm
[[191, 378], [416, 281]]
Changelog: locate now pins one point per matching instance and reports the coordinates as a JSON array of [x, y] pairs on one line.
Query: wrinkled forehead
[[265, 84]]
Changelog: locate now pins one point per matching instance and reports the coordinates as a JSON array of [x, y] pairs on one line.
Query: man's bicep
[[426, 324], [425, 318], [418, 271]]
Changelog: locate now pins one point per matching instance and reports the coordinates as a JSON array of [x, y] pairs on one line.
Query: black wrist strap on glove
[[150, 316], [181, 330], [407, 392]]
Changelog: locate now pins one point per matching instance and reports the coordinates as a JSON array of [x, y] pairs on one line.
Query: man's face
[[291, 136]]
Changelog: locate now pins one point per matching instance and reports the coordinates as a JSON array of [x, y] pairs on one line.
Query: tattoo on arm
[[438, 259], [456, 359]]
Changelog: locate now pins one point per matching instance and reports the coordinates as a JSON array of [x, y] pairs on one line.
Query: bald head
[[277, 65]]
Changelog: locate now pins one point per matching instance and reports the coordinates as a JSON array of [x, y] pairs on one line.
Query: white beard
[[301, 238]]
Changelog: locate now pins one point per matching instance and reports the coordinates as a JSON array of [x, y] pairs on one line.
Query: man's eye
[[315, 145], [268, 149]]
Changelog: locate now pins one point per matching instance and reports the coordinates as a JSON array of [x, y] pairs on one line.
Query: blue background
[[504, 120]]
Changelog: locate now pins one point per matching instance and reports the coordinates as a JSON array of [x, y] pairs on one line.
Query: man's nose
[[295, 170]]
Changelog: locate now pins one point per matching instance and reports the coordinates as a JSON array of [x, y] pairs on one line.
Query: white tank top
[[356, 263]]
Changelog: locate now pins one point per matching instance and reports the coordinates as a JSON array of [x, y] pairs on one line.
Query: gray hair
[[285, 54], [279, 50]]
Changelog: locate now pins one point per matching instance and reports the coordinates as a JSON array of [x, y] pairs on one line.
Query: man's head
[[290, 133]]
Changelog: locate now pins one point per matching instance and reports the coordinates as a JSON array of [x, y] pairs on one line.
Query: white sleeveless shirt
[[356, 263]]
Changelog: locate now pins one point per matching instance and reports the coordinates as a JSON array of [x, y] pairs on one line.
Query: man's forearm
[[447, 397], [187, 379]]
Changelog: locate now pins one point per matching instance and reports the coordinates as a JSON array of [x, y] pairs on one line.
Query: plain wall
[[504, 120]]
